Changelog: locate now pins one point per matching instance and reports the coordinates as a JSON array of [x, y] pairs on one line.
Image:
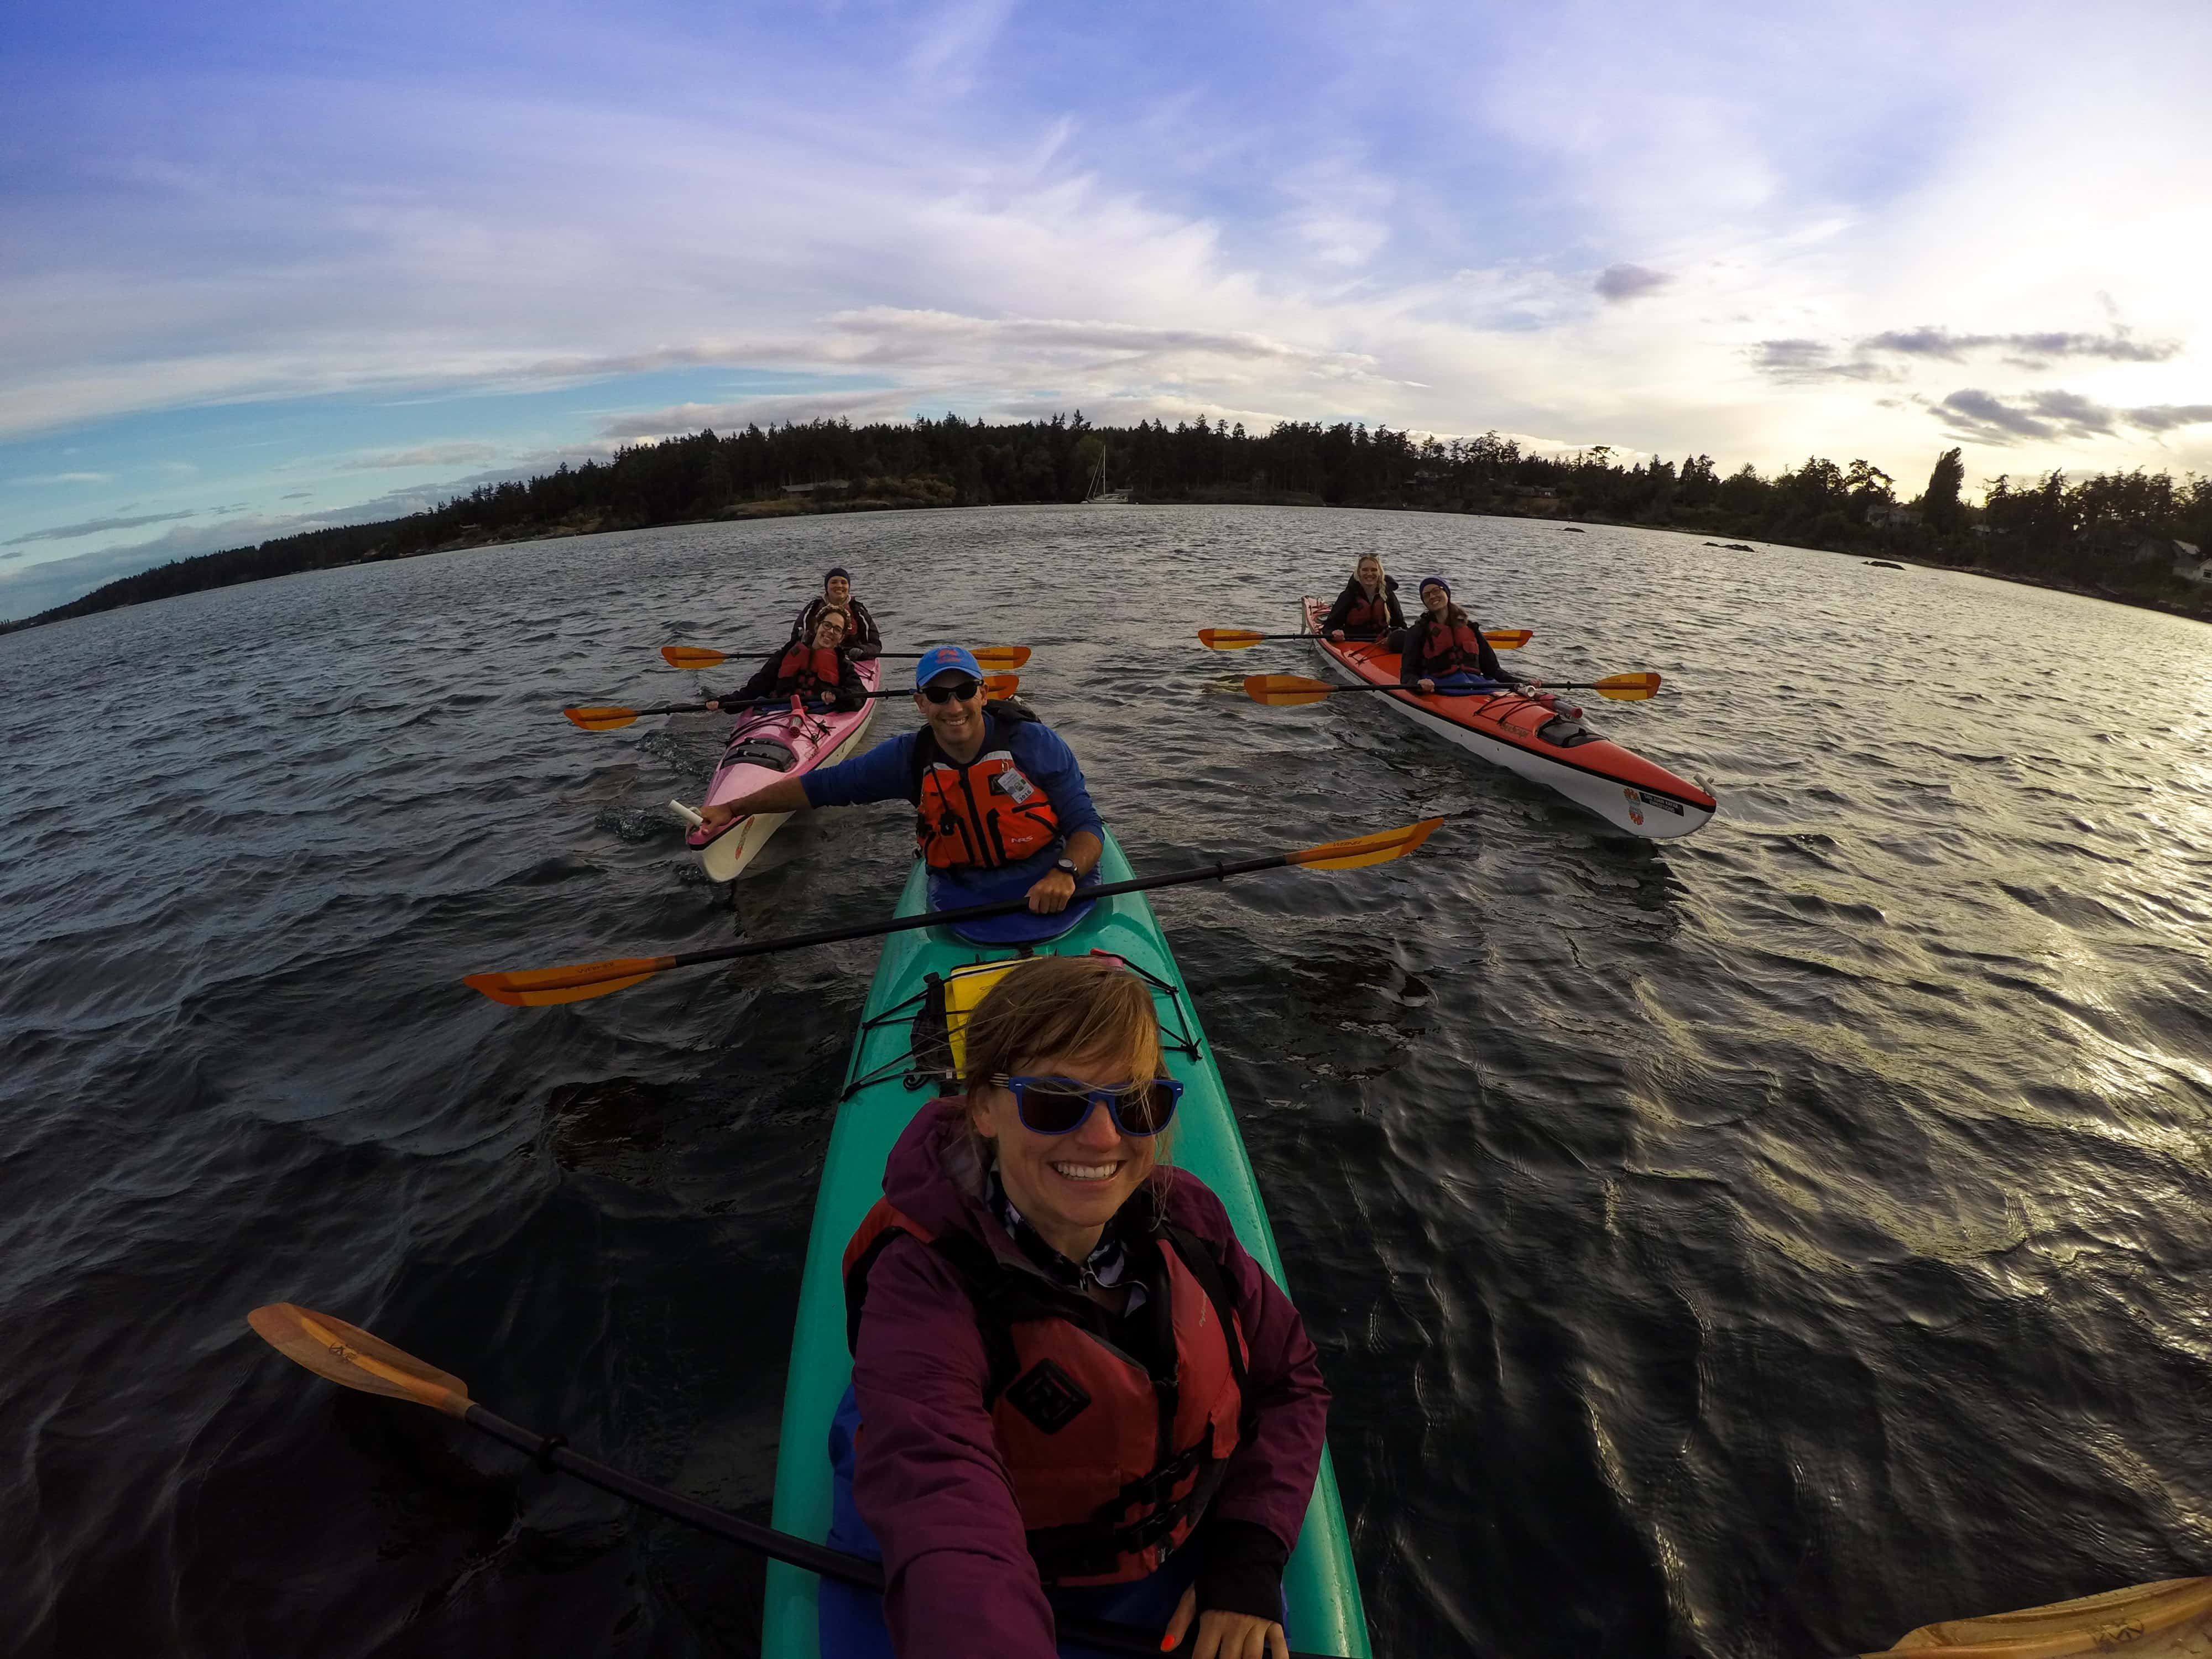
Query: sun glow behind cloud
[[1715, 231]]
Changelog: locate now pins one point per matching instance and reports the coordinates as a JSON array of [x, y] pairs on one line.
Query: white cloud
[[1416, 228], [456, 452]]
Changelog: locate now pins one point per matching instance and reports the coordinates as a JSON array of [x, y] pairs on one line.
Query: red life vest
[[809, 668], [1365, 616], [1448, 649], [982, 816], [1111, 1467]]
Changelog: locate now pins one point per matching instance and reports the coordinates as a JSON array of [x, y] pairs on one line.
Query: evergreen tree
[[1940, 506]]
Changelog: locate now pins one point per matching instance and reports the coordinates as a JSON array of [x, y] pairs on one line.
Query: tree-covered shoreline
[[2089, 535]]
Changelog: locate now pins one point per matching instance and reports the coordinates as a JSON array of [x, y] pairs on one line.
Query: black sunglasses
[[1060, 1105], [959, 691]]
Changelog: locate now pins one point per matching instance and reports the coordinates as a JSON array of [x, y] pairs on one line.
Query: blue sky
[[269, 266]]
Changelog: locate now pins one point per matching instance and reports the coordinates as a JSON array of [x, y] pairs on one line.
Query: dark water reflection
[[1756, 1244]]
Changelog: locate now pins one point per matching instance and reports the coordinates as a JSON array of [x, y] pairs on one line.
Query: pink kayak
[[765, 746]]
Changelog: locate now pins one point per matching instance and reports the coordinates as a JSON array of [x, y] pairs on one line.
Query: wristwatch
[[1068, 865]]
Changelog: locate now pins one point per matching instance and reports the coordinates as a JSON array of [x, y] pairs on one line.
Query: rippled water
[[1755, 1244]]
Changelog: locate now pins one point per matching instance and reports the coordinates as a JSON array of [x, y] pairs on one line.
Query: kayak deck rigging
[[928, 1061]]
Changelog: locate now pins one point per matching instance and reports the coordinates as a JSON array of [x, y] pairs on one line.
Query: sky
[[266, 267]]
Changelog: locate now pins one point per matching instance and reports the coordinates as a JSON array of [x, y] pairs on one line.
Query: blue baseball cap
[[943, 659]]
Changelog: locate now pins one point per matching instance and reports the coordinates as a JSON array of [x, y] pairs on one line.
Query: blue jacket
[[887, 772]]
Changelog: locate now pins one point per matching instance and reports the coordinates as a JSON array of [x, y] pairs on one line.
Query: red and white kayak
[[765, 746], [1525, 735]]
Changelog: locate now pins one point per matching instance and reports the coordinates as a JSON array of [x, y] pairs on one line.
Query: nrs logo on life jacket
[[1111, 1467], [1446, 649], [982, 816], [810, 668]]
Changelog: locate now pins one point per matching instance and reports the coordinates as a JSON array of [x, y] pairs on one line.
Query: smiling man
[[1000, 807]]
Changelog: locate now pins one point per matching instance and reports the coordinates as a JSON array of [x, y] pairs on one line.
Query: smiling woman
[[1035, 1298]]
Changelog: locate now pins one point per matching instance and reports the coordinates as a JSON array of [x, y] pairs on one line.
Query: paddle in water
[[1288, 690], [698, 656], [613, 720], [355, 1358], [540, 987], [1243, 638]]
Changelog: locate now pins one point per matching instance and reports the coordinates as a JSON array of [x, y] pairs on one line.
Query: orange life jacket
[[1448, 649], [982, 816], [809, 668], [1365, 616], [1111, 1467]]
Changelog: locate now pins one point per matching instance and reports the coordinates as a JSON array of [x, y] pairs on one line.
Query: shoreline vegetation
[[2132, 537]]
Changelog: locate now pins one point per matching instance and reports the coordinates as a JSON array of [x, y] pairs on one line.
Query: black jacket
[[851, 692], [1355, 594], [1409, 655]]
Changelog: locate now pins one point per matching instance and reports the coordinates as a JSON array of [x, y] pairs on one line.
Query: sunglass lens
[[1146, 1111], [959, 690], [1052, 1111]]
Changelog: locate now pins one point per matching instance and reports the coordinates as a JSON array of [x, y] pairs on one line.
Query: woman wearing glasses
[[1065, 1367], [1001, 808], [816, 669]]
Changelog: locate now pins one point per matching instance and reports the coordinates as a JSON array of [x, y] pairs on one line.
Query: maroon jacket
[[927, 1476]]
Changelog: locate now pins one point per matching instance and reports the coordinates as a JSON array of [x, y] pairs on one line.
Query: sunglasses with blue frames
[[1060, 1105]]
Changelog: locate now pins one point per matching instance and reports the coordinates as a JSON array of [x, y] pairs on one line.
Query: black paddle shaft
[[972, 912], [552, 1454]]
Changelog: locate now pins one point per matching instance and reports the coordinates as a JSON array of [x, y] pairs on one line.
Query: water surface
[[1756, 1244]]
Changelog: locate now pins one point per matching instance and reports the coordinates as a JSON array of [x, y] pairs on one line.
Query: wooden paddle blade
[[349, 1355], [1230, 639], [1363, 850], [1284, 690], [602, 719], [1627, 688], [691, 656], [1001, 656], [542, 987], [2164, 1620], [1509, 639], [996, 686]]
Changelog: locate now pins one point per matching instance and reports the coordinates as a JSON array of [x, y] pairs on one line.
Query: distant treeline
[[2092, 533]]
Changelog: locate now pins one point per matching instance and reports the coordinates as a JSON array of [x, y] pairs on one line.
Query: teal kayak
[[892, 1074]]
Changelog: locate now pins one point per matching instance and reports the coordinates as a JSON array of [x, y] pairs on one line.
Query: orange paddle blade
[[542, 987], [1001, 656], [691, 656], [602, 719], [1284, 690], [1230, 639], [347, 1354], [2171, 1616], [1000, 685], [1508, 639], [1627, 688], [1363, 850]]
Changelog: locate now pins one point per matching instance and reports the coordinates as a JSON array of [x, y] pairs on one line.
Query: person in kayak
[[1444, 650], [862, 641], [1002, 810], [818, 671], [1368, 608], [1072, 1389]]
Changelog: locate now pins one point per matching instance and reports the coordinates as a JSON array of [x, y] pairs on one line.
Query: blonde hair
[[1381, 575], [1072, 1007]]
